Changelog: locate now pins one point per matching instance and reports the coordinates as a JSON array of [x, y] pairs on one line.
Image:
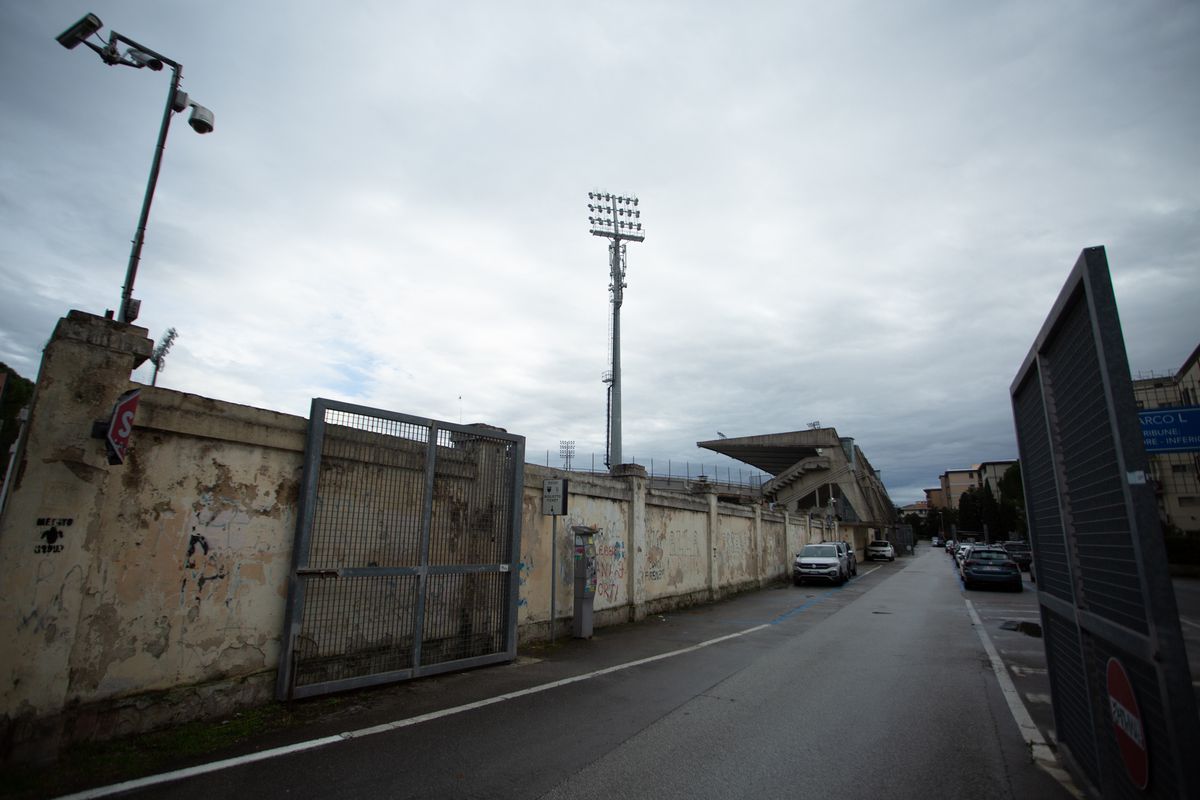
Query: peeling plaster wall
[[152, 592], [775, 562], [736, 551], [167, 571], [676, 557], [595, 501], [656, 550], [191, 587]]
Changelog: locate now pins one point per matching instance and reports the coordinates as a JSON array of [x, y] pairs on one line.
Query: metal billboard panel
[[1103, 586]]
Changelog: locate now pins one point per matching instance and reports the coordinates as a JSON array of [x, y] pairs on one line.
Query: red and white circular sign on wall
[[1127, 724]]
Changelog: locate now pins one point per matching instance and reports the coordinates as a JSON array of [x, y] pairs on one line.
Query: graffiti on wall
[[610, 566], [54, 529], [675, 558], [523, 570], [207, 558]]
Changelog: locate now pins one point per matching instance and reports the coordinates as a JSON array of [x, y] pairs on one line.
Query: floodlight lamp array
[[615, 216]]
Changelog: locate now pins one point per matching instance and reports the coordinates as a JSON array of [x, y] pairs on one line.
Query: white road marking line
[[312, 744], [1042, 754], [1189, 622], [1021, 671], [1043, 699]]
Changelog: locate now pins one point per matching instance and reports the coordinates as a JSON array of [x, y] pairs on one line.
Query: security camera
[[141, 59], [201, 119], [80, 31]]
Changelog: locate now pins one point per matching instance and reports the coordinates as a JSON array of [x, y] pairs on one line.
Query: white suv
[[881, 549]]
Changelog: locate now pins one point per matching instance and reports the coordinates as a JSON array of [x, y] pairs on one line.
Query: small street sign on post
[[554, 497], [554, 505]]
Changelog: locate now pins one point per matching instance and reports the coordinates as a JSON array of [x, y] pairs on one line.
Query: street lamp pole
[[202, 119], [129, 307]]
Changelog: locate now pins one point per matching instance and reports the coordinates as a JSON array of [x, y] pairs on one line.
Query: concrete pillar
[[758, 545], [50, 533], [635, 478], [713, 531]]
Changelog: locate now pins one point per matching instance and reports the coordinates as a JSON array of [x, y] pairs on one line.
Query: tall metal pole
[[139, 236], [553, 571], [618, 280], [618, 219]]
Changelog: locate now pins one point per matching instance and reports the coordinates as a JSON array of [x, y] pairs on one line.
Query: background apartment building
[[1176, 475], [953, 483]]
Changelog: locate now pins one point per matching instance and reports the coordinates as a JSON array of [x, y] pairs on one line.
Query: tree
[[1011, 488], [989, 513], [1012, 502], [970, 512], [15, 395]]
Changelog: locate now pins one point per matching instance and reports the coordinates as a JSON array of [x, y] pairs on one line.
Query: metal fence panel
[[404, 561], [1104, 590]]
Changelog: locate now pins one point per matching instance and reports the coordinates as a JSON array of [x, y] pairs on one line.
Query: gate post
[[713, 530]]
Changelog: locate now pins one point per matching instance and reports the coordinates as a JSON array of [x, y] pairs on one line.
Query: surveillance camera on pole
[[141, 59], [202, 121]]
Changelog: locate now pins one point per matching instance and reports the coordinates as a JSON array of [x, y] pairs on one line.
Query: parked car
[[951, 546], [880, 549], [819, 562], [1020, 553], [937, 541], [851, 558], [991, 566], [961, 553]]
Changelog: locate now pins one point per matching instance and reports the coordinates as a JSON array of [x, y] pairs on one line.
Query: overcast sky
[[857, 212]]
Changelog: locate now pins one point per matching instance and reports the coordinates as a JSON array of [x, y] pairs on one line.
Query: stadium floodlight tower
[[619, 219], [201, 120]]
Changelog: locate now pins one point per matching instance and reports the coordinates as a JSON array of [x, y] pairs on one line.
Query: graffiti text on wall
[[610, 566], [54, 529]]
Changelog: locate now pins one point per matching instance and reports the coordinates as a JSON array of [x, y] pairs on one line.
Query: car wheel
[[967, 584], [797, 581]]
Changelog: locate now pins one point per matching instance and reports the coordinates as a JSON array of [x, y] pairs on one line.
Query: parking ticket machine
[[585, 581]]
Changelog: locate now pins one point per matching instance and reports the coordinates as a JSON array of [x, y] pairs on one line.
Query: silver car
[[850, 558], [881, 548], [819, 562]]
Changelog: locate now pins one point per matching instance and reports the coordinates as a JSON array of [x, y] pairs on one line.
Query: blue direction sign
[[1171, 430]]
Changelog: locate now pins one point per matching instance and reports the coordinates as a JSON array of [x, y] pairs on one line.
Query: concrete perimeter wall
[[656, 550], [153, 592]]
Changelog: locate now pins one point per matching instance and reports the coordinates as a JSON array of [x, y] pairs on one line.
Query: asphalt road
[[880, 688]]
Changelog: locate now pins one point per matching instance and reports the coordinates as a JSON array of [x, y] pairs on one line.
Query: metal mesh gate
[[1103, 588], [405, 553]]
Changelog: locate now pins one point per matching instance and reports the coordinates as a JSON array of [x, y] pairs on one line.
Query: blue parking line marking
[[802, 607]]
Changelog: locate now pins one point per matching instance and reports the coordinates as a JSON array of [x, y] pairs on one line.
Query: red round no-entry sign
[[1127, 724]]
